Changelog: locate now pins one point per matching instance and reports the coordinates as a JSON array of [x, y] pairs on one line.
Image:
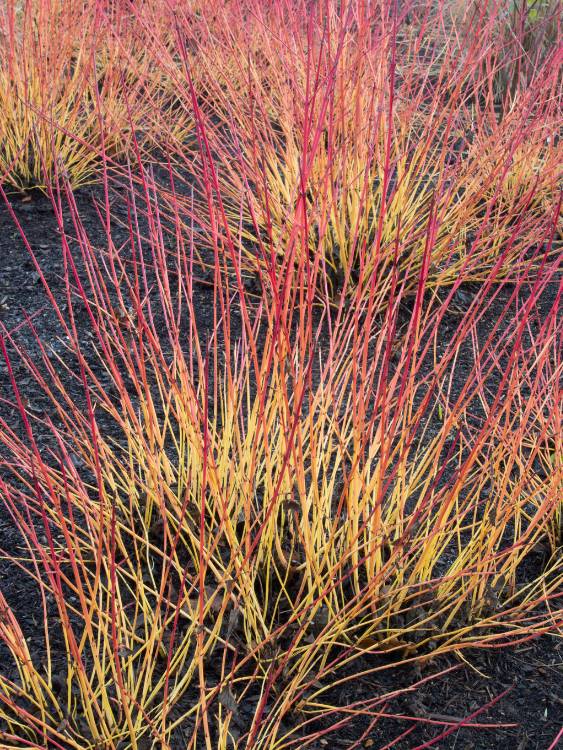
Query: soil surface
[[528, 717]]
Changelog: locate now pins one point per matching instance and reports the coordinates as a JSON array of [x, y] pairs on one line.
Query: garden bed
[[528, 675]]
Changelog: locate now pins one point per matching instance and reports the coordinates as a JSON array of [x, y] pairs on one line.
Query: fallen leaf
[[227, 700]]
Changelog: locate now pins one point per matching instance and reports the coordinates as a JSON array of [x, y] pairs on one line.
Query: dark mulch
[[532, 670]]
